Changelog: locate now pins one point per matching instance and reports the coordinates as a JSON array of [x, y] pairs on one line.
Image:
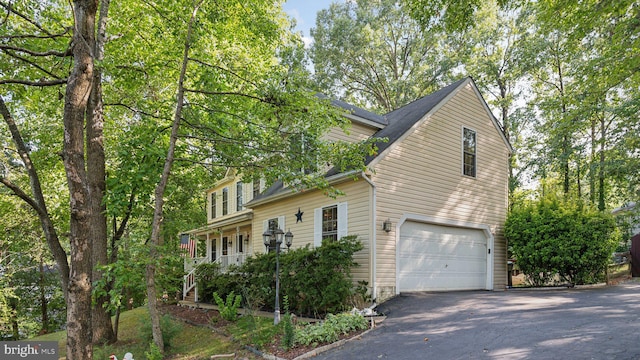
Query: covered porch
[[226, 242]]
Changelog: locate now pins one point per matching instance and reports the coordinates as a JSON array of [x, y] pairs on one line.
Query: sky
[[304, 11]]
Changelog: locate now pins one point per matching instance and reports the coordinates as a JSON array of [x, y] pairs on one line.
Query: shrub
[[554, 238], [330, 329], [315, 281], [169, 330], [229, 309]]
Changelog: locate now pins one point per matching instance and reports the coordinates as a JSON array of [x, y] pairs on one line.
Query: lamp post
[[268, 238]]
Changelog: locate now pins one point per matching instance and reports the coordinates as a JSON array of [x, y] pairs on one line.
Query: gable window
[[239, 200], [329, 223], [469, 152], [225, 201], [213, 205]]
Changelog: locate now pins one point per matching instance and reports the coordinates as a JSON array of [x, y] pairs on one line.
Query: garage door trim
[[446, 222]]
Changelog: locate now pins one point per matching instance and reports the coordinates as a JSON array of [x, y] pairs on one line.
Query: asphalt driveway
[[594, 323]]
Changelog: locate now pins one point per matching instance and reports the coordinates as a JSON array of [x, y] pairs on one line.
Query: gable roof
[[398, 123], [404, 118]]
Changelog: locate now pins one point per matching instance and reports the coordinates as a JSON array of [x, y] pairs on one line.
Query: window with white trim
[[239, 196], [225, 201], [256, 188], [213, 205], [469, 152], [330, 222], [225, 246], [240, 243]]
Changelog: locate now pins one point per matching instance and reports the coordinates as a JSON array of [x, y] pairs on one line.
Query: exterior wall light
[[386, 225]]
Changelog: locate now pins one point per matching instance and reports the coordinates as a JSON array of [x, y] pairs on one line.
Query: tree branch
[[10, 9], [40, 82], [65, 53]]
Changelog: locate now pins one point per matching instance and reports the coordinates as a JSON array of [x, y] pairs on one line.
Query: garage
[[436, 257]]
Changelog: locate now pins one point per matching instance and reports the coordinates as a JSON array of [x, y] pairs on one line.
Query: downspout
[[374, 289]]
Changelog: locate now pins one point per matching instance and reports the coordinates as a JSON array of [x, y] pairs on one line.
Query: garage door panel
[[437, 257]]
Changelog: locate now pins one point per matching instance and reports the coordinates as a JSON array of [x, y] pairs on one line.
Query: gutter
[[374, 289]]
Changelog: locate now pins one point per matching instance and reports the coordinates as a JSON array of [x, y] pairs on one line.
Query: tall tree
[[371, 53], [493, 62]]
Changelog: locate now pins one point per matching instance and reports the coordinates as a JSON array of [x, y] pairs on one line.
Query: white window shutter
[[342, 220], [281, 224], [317, 227]]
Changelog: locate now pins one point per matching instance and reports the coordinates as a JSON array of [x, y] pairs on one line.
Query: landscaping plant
[[316, 281], [229, 309], [555, 238]]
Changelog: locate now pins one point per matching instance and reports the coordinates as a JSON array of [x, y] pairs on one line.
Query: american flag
[[188, 244]]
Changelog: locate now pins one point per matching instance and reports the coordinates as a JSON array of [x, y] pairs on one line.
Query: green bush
[[229, 309], [561, 239], [169, 329], [315, 281], [330, 330]]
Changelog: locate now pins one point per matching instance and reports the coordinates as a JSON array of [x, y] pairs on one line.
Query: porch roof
[[226, 221]]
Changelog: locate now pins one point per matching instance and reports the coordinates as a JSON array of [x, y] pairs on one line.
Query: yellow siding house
[[429, 210]]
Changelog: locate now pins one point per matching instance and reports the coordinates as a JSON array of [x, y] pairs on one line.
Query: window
[[239, 200], [272, 226], [256, 188], [330, 223], [213, 205], [469, 152], [225, 246], [306, 152], [240, 243], [214, 254], [225, 201]]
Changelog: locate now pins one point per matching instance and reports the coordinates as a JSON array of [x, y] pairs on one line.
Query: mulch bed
[[212, 319]]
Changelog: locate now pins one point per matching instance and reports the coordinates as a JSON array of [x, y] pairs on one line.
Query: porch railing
[[190, 264], [189, 280], [226, 260]]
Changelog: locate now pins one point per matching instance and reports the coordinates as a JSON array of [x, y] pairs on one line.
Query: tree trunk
[[101, 320], [43, 301], [36, 201], [96, 175], [159, 193], [601, 189], [79, 84]]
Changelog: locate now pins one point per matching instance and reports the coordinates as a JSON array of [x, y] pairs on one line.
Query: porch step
[[191, 296]]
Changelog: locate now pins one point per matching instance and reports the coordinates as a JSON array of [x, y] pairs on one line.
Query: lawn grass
[[191, 342]]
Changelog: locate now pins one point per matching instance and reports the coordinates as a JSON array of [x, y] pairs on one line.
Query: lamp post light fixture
[[268, 238]]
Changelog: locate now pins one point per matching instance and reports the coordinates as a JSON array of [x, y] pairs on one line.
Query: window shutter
[[317, 227], [342, 220], [281, 223], [265, 227]]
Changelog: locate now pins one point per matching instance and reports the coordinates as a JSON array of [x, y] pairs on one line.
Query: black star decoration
[[299, 215]]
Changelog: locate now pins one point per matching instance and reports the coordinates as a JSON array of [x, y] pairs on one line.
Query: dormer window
[[256, 188]]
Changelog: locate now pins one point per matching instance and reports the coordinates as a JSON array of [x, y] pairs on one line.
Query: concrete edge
[[561, 287], [320, 349]]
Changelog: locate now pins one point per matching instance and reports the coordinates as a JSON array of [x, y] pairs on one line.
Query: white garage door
[[437, 257]]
